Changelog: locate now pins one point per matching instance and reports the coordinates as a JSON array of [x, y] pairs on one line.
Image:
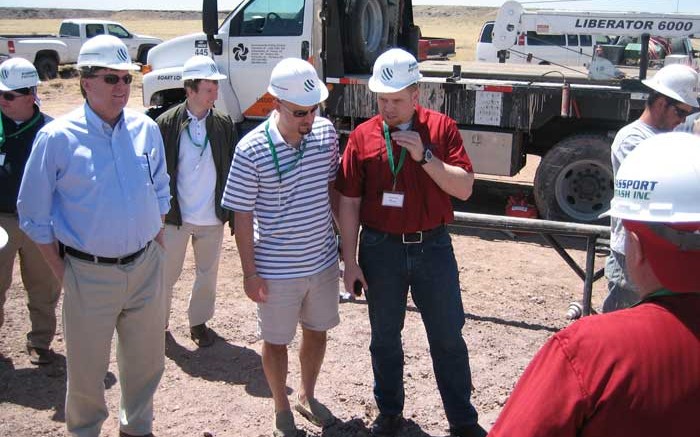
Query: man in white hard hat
[[673, 96], [632, 372], [93, 197], [398, 172], [199, 143], [20, 121], [280, 188]]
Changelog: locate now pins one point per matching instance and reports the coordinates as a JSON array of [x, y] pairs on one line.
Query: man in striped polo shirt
[[280, 189]]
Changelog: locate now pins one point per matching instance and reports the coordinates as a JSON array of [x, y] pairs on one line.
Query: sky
[[681, 6]]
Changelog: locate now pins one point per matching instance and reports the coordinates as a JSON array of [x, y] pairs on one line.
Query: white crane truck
[[504, 112]]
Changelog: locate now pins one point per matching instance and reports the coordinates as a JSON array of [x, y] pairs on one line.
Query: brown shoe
[[40, 356], [201, 335]]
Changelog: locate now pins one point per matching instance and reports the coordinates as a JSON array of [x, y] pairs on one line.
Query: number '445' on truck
[[504, 112]]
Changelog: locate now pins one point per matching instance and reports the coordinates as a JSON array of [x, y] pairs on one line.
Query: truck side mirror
[[210, 25], [210, 17]]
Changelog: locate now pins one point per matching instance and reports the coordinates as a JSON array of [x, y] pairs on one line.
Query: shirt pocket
[[146, 168]]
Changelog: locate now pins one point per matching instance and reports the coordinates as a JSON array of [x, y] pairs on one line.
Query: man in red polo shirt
[[398, 172], [633, 372]]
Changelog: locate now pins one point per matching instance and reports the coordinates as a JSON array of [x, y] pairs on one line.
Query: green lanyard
[[395, 169], [275, 160], [658, 293], [27, 126], [196, 144]]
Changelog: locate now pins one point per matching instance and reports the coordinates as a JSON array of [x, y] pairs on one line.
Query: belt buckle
[[418, 234]]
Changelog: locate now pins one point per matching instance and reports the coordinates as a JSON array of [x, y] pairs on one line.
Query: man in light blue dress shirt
[[93, 197]]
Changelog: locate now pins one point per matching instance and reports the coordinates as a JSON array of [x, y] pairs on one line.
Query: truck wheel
[[366, 33], [47, 67], [574, 181]]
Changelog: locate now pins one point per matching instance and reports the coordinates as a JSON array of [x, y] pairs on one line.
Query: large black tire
[[46, 66], [574, 181], [365, 33]]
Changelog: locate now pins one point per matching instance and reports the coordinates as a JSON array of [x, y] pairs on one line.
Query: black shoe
[[39, 355], [474, 430], [201, 335], [386, 425], [123, 434]]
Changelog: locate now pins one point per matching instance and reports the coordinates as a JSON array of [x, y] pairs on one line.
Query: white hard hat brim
[[309, 99], [217, 76], [3, 237], [658, 87], [377, 86]]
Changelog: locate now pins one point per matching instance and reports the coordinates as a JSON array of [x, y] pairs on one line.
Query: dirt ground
[[515, 295]]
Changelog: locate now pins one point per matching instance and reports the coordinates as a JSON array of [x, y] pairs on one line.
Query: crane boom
[[513, 19]]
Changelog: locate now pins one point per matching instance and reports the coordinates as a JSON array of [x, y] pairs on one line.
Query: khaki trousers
[[100, 298], [206, 244], [43, 289]]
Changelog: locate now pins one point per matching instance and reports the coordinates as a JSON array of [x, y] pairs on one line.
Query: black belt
[[411, 237], [101, 259]]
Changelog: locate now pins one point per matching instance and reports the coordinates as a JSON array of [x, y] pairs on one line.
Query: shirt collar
[[97, 122], [193, 118]]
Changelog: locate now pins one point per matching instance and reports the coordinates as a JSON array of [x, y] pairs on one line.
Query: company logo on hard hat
[[4, 74], [274, 85], [122, 54], [413, 66], [387, 74], [28, 74], [634, 189], [309, 85], [213, 69]]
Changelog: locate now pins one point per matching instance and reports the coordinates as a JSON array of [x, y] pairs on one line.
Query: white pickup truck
[[47, 52]]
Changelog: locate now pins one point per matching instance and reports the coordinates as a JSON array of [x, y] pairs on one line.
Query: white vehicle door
[[261, 34], [69, 33]]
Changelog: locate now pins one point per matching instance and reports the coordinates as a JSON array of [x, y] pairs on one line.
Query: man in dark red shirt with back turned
[[397, 174]]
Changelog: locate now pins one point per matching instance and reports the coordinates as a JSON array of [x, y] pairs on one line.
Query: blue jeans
[[621, 290], [430, 270]]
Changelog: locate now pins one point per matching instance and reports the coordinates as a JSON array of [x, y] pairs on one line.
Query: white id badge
[[393, 199], [2, 159]]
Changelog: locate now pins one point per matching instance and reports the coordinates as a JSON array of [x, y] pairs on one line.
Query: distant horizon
[[654, 6]]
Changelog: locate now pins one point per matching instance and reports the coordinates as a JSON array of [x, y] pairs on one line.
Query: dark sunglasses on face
[[10, 96], [680, 112], [300, 113], [113, 79]]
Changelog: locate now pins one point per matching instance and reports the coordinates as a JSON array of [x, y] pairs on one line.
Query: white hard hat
[[105, 51], [17, 73], [678, 82], [201, 67], [659, 181], [296, 81], [3, 237], [393, 71]]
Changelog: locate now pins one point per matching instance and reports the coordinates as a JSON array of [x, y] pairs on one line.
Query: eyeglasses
[[9, 96], [299, 113], [113, 79], [680, 112]]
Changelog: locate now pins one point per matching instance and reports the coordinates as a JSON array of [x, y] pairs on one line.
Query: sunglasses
[[9, 96], [682, 113], [113, 79], [298, 113]]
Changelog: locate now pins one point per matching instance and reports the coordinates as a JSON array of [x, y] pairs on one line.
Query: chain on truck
[[504, 112]]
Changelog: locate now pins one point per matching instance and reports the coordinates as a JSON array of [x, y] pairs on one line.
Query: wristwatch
[[427, 157]]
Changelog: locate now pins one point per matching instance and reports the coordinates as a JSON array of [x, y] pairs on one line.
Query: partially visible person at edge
[[280, 188], [634, 372], [199, 143], [673, 95], [691, 124], [93, 197], [397, 174], [21, 120]]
